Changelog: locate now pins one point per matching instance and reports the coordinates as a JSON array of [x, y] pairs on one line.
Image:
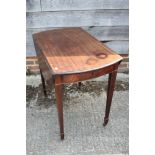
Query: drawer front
[[68, 78]]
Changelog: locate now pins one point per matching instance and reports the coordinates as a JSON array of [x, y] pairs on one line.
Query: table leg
[[43, 83], [79, 85], [111, 85], [58, 92]]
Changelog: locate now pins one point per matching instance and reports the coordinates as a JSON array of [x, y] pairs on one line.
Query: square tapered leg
[[43, 84], [111, 86], [58, 93]]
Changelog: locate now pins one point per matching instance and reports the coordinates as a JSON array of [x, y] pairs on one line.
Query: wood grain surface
[[102, 33], [116, 37], [120, 47], [73, 50]]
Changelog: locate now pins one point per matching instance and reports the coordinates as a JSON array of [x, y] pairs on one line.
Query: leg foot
[[105, 121], [62, 136]]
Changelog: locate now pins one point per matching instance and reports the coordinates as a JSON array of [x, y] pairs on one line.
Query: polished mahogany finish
[[72, 55]]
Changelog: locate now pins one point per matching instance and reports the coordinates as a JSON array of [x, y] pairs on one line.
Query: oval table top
[[73, 50]]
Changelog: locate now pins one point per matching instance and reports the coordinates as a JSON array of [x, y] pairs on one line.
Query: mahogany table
[[72, 55]]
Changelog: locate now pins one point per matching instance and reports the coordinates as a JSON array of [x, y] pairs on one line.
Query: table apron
[[77, 77]]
